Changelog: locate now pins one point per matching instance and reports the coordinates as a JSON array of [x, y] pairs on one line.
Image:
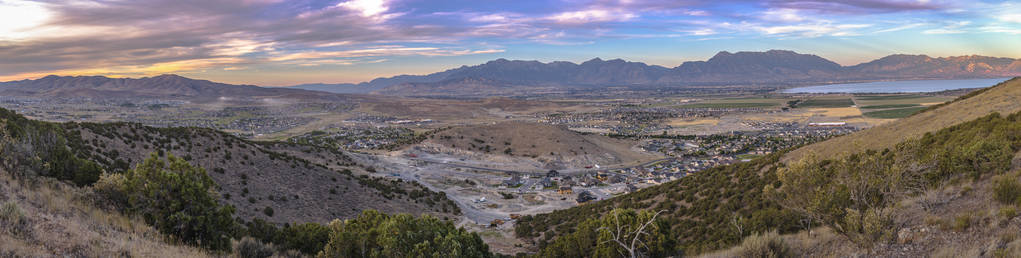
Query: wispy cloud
[[382, 51], [902, 27], [952, 28], [592, 15]]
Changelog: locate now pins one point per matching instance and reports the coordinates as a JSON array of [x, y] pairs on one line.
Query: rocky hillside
[[298, 183]]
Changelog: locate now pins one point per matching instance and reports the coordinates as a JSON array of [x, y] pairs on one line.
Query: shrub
[[308, 238], [374, 234], [268, 211], [764, 245], [111, 191], [1006, 189], [252, 248], [179, 199], [14, 219], [1008, 212], [962, 222]]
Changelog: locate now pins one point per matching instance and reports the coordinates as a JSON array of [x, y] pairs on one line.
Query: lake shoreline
[[902, 86]]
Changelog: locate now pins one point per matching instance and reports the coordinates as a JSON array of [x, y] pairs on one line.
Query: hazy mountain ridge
[[503, 77], [769, 67], [163, 86]]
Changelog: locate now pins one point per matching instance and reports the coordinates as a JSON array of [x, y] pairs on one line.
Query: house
[[496, 223], [546, 182], [565, 190], [614, 179], [513, 181], [585, 196], [631, 188], [552, 173]]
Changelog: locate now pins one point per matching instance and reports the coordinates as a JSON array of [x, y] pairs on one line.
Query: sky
[[288, 42]]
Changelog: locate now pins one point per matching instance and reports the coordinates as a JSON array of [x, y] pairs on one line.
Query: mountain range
[[774, 67], [504, 77]]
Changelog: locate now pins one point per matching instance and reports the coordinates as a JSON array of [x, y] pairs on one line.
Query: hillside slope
[[1003, 98], [250, 176], [40, 217]]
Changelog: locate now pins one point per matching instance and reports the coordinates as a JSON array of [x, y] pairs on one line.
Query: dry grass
[[681, 122], [836, 112], [822, 242], [60, 221]]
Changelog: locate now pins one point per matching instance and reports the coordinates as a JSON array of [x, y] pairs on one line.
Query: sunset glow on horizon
[[278, 42]]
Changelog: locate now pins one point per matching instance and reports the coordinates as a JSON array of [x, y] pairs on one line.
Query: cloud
[[703, 32], [18, 18], [1001, 29], [942, 31], [367, 8], [782, 14], [99, 35], [591, 16], [860, 6], [951, 28], [902, 27], [1007, 12], [382, 51], [811, 29]]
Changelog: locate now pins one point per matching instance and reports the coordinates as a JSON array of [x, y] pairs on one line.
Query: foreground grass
[[46, 218]]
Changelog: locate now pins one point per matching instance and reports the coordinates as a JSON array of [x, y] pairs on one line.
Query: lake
[[898, 86]]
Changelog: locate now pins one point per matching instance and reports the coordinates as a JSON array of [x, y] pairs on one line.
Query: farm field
[[894, 113], [749, 102], [895, 106], [682, 122], [826, 102], [903, 99]]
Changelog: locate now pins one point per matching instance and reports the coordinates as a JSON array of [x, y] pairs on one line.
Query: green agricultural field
[[894, 113], [888, 97], [826, 103], [890, 106]]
